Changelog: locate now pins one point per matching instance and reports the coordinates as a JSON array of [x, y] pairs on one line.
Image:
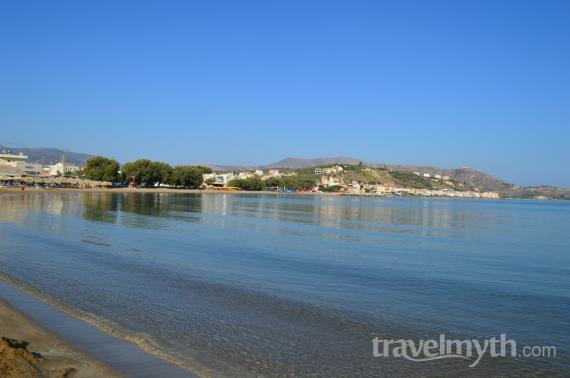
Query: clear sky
[[446, 83]]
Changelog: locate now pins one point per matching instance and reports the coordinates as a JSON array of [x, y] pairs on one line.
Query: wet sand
[[69, 347], [29, 350]]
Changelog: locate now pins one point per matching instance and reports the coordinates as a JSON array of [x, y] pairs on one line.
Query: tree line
[[144, 172], [289, 182]]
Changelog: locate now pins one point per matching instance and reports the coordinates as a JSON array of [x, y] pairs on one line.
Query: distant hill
[[471, 178], [467, 176], [50, 155], [292, 162], [537, 192]]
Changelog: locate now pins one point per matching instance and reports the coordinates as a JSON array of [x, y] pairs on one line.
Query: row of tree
[[288, 182], [144, 172]]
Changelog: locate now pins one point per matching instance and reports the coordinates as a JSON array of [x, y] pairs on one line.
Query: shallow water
[[244, 285]]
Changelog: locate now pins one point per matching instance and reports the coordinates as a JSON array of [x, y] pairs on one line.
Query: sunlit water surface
[[246, 285]]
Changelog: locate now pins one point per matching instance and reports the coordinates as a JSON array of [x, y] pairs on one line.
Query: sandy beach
[[28, 350]]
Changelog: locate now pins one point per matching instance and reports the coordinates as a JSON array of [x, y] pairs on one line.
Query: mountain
[[290, 162], [469, 177], [296, 163], [530, 192], [479, 180], [50, 155]]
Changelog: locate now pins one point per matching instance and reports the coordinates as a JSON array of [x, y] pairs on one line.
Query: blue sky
[[446, 83]]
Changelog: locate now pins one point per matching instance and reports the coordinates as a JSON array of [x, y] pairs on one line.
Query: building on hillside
[[319, 171], [290, 173], [273, 172], [331, 181], [354, 188], [333, 170], [258, 172]]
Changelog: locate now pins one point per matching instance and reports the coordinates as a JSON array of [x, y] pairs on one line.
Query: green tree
[[147, 173], [297, 182], [100, 168], [334, 188], [188, 176], [273, 181], [164, 172], [250, 183]]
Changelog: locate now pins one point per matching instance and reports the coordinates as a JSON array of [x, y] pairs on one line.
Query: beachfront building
[[32, 169], [8, 159], [353, 188], [62, 169], [14, 165], [218, 179]]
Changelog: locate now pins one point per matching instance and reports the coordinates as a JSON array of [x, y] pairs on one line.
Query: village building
[[62, 169]]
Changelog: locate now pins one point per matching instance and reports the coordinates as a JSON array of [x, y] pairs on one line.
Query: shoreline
[[247, 192], [70, 345], [58, 357], [4, 190]]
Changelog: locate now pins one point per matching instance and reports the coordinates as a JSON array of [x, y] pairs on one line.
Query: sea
[[293, 285]]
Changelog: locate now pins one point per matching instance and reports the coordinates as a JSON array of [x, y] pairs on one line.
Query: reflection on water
[[295, 285], [421, 216]]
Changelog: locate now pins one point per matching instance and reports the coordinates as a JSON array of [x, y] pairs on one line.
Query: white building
[[218, 179], [331, 181], [245, 175], [7, 158], [335, 169], [62, 169], [17, 165]]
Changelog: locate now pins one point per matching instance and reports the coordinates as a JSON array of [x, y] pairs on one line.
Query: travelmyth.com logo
[[472, 349]]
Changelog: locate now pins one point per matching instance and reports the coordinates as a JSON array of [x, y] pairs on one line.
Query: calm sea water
[[291, 285]]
